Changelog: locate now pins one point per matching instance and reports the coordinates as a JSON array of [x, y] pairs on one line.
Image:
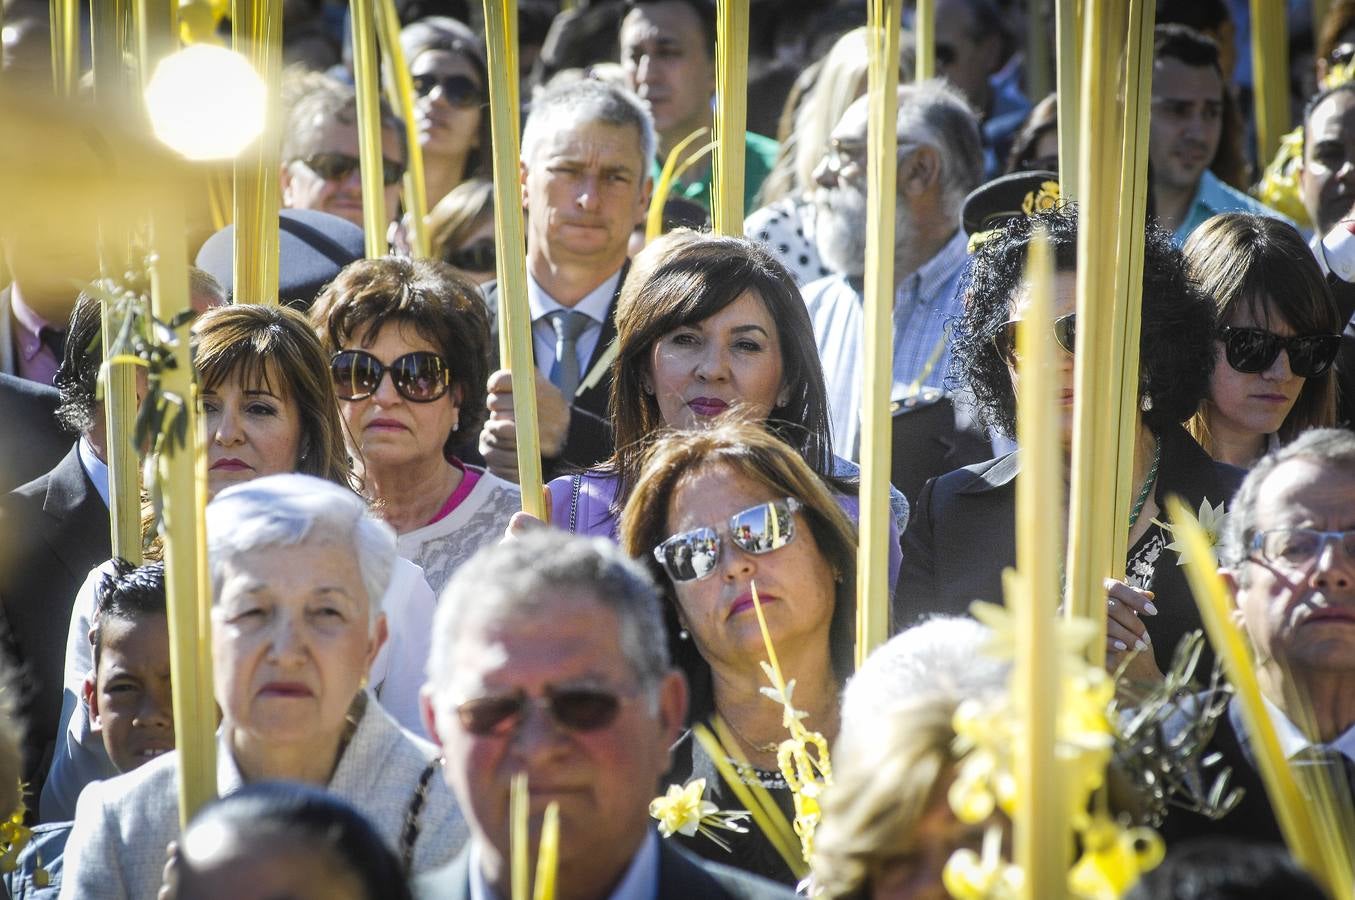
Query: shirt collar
[[594, 304], [925, 284], [95, 468], [641, 881], [30, 324], [1293, 741]]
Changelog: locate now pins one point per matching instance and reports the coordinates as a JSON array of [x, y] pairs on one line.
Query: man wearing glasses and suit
[[550, 661]]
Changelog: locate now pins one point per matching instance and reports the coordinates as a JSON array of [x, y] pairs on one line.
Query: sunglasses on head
[[1065, 332], [420, 377], [338, 166], [577, 709], [693, 555], [1252, 350], [458, 90], [477, 257]]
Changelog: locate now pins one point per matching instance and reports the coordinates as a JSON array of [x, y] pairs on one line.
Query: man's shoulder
[[683, 875], [1222, 197], [829, 291]]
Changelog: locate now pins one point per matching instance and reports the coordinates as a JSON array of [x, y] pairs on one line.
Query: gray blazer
[[122, 826]]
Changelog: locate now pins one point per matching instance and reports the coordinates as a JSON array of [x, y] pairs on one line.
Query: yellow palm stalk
[[1067, 34], [515, 320], [400, 92], [257, 34], [924, 30], [368, 83], [548, 855], [872, 578], [1270, 62], [731, 115], [65, 29], [664, 186]]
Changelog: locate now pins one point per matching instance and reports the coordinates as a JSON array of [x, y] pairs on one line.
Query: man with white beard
[[940, 160]]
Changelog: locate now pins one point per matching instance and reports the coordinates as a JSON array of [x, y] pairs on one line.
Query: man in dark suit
[[1289, 557], [585, 186], [31, 441], [550, 662]]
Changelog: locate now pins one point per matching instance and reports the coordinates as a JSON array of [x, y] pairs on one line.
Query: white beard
[[840, 228]]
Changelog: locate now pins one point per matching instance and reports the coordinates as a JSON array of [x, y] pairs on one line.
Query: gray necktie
[[568, 325]]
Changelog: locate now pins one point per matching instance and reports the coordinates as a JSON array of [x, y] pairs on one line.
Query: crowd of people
[[394, 642]]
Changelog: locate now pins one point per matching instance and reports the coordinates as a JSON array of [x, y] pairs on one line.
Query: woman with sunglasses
[[962, 534], [461, 228], [706, 325], [409, 355], [721, 512], [1279, 334], [447, 65]]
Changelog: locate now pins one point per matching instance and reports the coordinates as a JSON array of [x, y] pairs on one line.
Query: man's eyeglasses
[[338, 166], [477, 257], [841, 155], [458, 90], [576, 709], [693, 555], [1296, 548], [420, 377], [1252, 350], [1065, 332]]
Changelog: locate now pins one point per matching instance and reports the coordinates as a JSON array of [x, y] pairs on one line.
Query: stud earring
[[684, 634], [1146, 403]]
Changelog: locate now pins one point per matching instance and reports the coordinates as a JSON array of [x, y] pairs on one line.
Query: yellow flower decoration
[[685, 810], [1213, 519], [986, 876], [1113, 858], [1042, 200]]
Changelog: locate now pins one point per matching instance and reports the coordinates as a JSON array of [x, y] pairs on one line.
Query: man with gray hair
[[940, 160], [1289, 558], [550, 661], [585, 186]]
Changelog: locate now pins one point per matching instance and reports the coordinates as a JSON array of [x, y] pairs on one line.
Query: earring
[[683, 634], [1146, 403]]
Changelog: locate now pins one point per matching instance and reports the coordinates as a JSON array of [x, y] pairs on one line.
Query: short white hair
[[284, 510], [943, 656], [589, 100]]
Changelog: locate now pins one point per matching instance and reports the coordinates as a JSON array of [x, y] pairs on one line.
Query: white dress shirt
[[594, 305], [641, 881]]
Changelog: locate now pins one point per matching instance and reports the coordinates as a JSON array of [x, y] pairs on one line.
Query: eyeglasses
[[458, 90], [693, 555], [840, 155], [477, 257], [577, 709], [420, 377], [338, 166], [1253, 350], [1065, 332], [1298, 547]]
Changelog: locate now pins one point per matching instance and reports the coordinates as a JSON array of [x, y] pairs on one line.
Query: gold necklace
[[760, 748]]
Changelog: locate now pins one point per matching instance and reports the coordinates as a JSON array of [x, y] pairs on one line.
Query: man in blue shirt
[[1185, 133]]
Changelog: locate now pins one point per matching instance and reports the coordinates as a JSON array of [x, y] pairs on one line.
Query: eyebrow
[[740, 329]]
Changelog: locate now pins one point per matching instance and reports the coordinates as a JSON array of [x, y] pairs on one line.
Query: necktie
[[568, 324]]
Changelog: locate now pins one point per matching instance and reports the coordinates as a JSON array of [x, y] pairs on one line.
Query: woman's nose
[[712, 365], [226, 430]]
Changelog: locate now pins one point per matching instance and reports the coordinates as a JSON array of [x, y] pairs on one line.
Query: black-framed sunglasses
[[577, 709], [419, 377], [693, 555], [338, 166], [480, 256], [458, 90], [1065, 332], [1252, 350]]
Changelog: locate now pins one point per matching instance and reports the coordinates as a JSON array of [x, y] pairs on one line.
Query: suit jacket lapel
[[71, 497], [596, 397]]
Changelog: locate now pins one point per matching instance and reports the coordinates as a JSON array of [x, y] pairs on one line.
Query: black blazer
[[681, 877], [31, 441], [590, 439], [56, 530], [962, 534]]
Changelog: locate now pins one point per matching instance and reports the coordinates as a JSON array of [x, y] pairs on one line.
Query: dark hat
[[990, 206], [313, 247]]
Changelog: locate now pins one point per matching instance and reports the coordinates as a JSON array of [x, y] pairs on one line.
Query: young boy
[[128, 695]]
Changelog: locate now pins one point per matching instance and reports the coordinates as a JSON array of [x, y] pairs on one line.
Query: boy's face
[[129, 700]]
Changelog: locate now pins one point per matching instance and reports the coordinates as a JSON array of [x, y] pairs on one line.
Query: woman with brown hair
[[409, 356], [1279, 334], [721, 512], [461, 228]]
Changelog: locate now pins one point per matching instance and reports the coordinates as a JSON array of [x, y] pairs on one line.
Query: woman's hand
[[1126, 634], [525, 523], [499, 436]]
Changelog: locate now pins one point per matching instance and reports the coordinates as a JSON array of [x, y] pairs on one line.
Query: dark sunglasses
[[458, 90], [693, 555], [477, 257], [577, 709], [338, 166], [420, 377], [1065, 332], [1253, 350]]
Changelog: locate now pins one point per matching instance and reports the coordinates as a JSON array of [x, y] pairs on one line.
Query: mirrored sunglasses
[[1252, 350], [1065, 333], [693, 555], [338, 166], [577, 709], [420, 377], [458, 90]]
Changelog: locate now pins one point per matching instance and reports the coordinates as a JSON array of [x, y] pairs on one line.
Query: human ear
[[91, 697], [919, 171]]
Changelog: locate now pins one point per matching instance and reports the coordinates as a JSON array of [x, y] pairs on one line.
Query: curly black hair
[[1176, 346]]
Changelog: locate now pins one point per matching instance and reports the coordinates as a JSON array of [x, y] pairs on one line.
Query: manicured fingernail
[[1140, 646], [1121, 646], [1147, 638], [1149, 608]]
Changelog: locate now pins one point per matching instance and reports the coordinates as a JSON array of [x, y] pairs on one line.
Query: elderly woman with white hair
[[298, 567]]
